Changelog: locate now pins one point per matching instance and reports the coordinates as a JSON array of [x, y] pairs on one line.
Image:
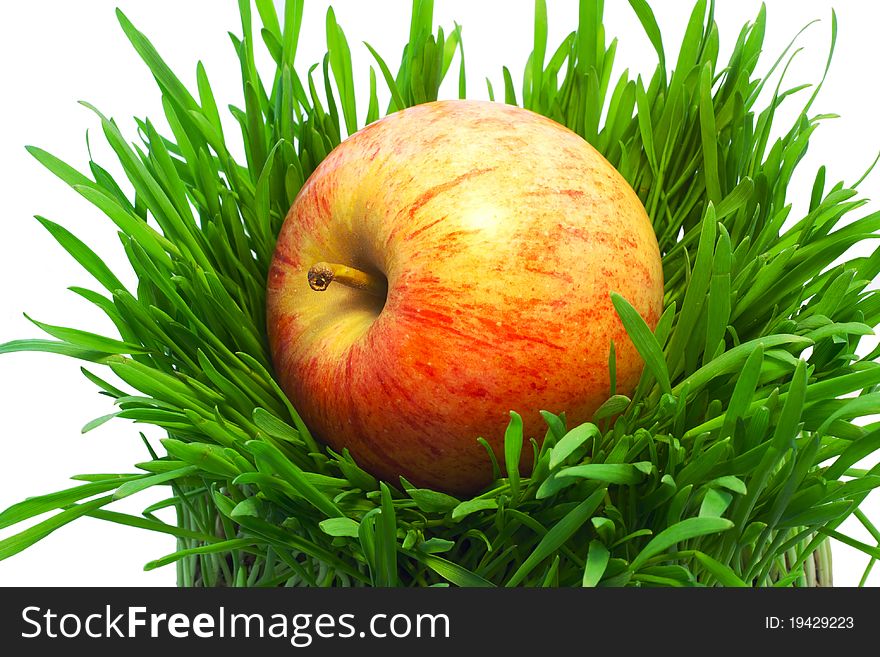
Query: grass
[[732, 462]]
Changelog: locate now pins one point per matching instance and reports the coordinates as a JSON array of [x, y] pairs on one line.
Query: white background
[[57, 52]]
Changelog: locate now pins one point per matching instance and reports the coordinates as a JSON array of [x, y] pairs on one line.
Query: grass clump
[[732, 462]]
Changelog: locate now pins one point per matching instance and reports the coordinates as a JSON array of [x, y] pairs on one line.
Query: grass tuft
[[732, 462]]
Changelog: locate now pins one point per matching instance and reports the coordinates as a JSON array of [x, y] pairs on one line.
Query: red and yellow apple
[[445, 265]]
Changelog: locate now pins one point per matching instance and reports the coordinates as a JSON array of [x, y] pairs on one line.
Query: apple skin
[[501, 234]]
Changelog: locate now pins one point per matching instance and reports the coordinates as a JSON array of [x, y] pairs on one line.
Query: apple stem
[[324, 273]]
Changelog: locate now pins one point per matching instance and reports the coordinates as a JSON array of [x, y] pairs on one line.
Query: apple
[[446, 265]]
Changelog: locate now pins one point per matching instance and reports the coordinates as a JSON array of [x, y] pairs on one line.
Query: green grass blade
[[683, 530], [725, 575], [535, 73], [214, 548], [386, 540], [709, 137], [452, 572], [340, 63], [652, 30], [23, 540], [53, 347], [143, 483], [558, 535], [35, 506], [83, 255], [163, 74], [397, 101], [643, 340], [513, 441], [572, 441], [149, 524], [294, 476], [340, 527], [609, 473], [597, 562]]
